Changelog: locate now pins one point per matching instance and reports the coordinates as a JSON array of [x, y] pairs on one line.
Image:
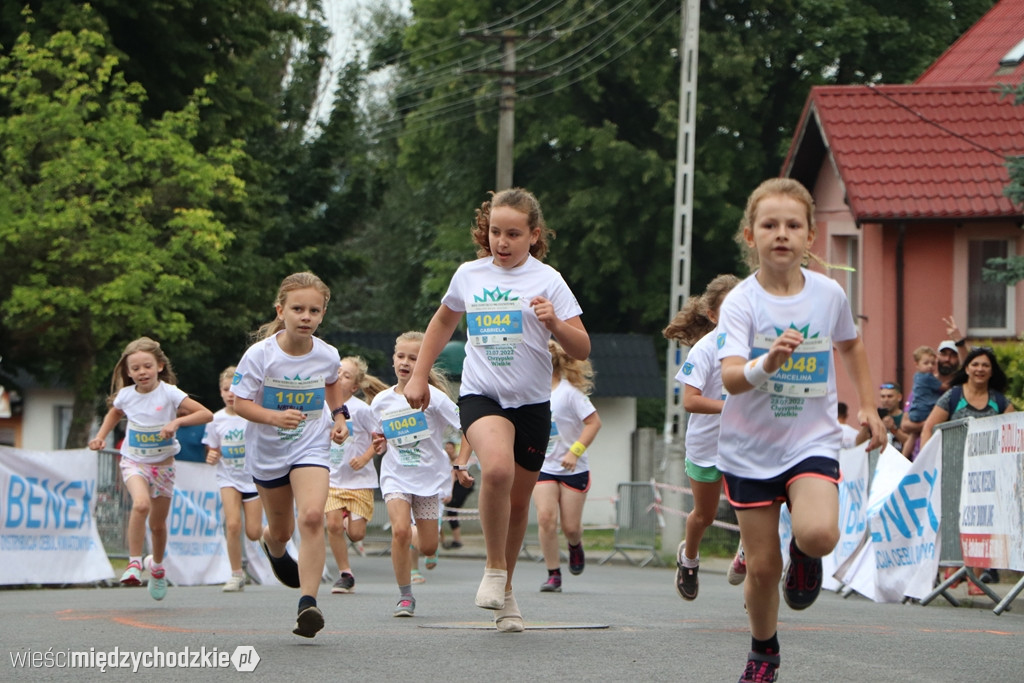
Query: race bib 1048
[[804, 374]]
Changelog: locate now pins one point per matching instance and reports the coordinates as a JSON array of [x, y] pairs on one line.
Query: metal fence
[[954, 436], [113, 504], [637, 524]]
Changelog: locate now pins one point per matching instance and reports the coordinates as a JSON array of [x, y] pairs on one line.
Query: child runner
[[225, 441], [703, 398], [353, 474], [564, 477], [779, 439], [280, 387], [142, 389], [513, 304], [415, 471]]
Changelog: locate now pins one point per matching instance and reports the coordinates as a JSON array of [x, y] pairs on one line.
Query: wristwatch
[[460, 468]]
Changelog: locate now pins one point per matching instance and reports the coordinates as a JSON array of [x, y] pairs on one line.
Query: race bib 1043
[[146, 441]]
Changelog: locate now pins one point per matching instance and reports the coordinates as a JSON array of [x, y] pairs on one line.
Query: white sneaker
[[234, 584]]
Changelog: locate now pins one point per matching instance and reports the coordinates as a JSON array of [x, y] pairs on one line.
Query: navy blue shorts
[[752, 493], [286, 480], [578, 482], [532, 424]]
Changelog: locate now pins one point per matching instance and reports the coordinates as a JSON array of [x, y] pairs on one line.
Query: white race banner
[[196, 553], [904, 525], [853, 517], [991, 497], [48, 530]]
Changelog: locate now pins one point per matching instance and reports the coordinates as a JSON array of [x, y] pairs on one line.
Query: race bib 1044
[[494, 322], [804, 374], [406, 426]]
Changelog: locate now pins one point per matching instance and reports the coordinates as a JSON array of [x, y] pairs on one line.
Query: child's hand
[[417, 393], [464, 477], [169, 430], [212, 457], [340, 431], [380, 444], [288, 419], [97, 444], [545, 311], [870, 419], [782, 349], [569, 462]]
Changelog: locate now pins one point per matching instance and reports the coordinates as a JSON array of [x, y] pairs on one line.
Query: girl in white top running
[[225, 443], [415, 471], [779, 437], [142, 390], [287, 388], [353, 474], [564, 477], [513, 304], [703, 398]]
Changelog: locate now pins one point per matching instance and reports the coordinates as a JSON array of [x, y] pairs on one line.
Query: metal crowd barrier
[[637, 524], [113, 504]]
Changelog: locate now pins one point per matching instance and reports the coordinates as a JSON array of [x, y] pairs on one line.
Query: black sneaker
[[577, 560], [285, 568], [309, 621], [761, 668], [346, 583], [803, 581], [687, 583]]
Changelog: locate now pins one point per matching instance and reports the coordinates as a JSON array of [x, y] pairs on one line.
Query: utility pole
[[682, 234], [507, 98]]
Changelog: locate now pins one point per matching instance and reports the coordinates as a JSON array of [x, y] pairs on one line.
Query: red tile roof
[[974, 57], [913, 151]]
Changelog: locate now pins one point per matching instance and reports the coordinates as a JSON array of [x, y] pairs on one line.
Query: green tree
[[105, 230], [1009, 271]]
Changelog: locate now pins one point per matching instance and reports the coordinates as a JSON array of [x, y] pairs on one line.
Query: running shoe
[[157, 583], [406, 607], [803, 580], [761, 668], [235, 584], [738, 568], [285, 568], [346, 583], [577, 560], [132, 574], [309, 622], [552, 585], [687, 583]]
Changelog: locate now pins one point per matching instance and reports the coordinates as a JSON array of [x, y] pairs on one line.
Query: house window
[[845, 249], [62, 425], [989, 304]]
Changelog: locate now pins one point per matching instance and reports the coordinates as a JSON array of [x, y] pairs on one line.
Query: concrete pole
[[506, 113]]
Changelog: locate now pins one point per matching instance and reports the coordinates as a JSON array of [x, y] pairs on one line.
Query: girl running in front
[[779, 437], [513, 304], [143, 390], [225, 442], [353, 474], [703, 398], [564, 477], [415, 472], [281, 386]]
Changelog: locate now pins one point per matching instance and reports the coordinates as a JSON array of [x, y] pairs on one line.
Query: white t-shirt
[[702, 371], [415, 461], [361, 424], [273, 379], [569, 407], [226, 434], [849, 438], [147, 414], [766, 431], [507, 357]]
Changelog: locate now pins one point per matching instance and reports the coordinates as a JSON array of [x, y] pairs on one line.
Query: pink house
[[908, 181]]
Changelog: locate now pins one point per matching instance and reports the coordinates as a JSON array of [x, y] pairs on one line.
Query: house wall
[[39, 418]]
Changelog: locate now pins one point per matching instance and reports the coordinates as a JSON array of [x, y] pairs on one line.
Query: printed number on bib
[[306, 395], [403, 427], [233, 454], [495, 322], [146, 441], [804, 374]]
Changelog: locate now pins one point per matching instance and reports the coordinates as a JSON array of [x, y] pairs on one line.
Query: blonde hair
[[521, 200], [367, 383], [692, 321], [227, 373], [291, 283], [121, 379], [579, 373], [436, 377], [785, 187], [922, 351]]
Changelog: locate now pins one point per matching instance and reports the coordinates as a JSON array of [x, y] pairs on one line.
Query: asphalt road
[[637, 629]]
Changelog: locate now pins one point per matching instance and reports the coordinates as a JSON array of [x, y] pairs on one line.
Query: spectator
[[849, 438]]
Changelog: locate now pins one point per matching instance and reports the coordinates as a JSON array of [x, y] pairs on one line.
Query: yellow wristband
[[577, 449]]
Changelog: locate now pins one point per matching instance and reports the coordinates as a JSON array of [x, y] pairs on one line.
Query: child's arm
[[212, 455], [855, 358], [439, 331], [696, 402], [360, 461], [282, 419], [195, 414], [463, 476], [110, 420], [735, 368], [591, 426], [335, 402], [569, 333]]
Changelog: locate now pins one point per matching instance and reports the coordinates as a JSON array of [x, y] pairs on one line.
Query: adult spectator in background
[[849, 439], [949, 362], [890, 402]]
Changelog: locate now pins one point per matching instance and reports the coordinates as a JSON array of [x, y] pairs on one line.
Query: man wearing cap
[[947, 365]]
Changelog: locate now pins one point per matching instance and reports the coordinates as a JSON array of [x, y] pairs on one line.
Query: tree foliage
[[105, 228]]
